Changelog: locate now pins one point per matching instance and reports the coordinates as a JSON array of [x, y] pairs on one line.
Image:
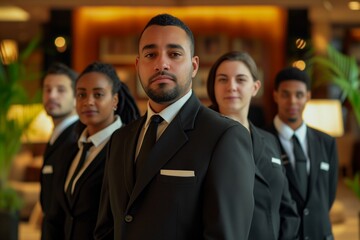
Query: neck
[[57, 121], [239, 117], [293, 124]]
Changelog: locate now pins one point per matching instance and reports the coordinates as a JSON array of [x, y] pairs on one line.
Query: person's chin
[[292, 119]]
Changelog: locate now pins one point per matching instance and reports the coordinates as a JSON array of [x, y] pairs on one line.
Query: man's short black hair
[[169, 20], [292, 73], [61, 68]]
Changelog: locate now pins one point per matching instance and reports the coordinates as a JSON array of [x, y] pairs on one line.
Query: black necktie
[[300, 166], [86, 147], [148, 142]]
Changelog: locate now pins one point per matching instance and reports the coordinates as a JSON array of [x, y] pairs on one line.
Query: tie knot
[[295, 138], [87, 146], [156, 119]]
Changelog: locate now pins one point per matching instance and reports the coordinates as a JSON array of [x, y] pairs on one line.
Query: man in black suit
[[58, 86], [197, 180], [310, 156]]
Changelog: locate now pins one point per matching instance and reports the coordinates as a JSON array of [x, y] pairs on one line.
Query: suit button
[[306, 212], [128, 218], [306, 238]]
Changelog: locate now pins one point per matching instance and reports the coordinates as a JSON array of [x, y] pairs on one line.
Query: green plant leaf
[[354, 184], [13, 92], [338, 69]]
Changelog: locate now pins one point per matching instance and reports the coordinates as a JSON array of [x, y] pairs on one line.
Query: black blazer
[[216, 203], [275, 214], [314, 210], [77, 220], [51, 164]]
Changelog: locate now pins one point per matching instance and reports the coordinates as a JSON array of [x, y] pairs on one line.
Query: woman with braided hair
[[104, 104]]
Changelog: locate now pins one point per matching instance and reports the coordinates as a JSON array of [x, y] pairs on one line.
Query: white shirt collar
[[286, 132], [169, 113], [102, 135], [61, 127]]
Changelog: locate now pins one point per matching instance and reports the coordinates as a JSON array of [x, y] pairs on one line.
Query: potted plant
[[12, 92], [342, 71]]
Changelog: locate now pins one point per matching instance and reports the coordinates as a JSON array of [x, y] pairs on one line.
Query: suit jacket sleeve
[[228, 189]]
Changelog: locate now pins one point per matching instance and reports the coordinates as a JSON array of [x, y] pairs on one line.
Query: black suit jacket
[[77, 220], [314, 210], [216, 203], [51, 164], [275, 214]]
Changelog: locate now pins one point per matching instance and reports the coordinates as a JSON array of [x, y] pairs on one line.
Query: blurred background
[[276, 33]]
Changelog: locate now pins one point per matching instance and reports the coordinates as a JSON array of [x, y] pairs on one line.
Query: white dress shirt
[[285, 135], [99, 140], [168, 114], [61, 127]]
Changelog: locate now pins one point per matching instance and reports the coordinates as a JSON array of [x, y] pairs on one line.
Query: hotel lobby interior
[[276, 33]]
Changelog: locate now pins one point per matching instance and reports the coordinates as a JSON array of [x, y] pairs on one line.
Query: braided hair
[[126, 107]]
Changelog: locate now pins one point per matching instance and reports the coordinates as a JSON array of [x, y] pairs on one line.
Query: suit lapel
[[173, 138], [290, 173], [61, 138], [100, 158], [64, 172], [129, 151], [258, 141]]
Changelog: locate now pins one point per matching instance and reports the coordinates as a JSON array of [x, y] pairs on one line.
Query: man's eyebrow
[[149, 46], [170, 46], [173, 45]]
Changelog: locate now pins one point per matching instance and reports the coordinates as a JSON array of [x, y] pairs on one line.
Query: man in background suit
[[315, 193], [58, 86], [197, 180]]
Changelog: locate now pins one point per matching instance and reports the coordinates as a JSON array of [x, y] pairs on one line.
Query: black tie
[[86, 147], [148, 142], [300, 166]]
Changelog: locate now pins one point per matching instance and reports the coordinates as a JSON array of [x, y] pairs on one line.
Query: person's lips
[[231, 97], [292, 111], [89, 112], [51, 105], [162, 79]]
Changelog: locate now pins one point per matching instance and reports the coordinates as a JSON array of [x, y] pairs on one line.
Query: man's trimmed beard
[[292, 120], [162, 95], [59, 115]]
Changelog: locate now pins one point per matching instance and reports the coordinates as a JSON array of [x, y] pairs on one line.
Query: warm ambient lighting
[[60, 44], [12, 13], [300, 64], [325, 115], [209, 13], [40, 128], [8, 51], [354, 5]]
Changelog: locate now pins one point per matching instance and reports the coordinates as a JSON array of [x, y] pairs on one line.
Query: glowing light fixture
[[13, 14], [325, 115], [300, 43], [300, 64], [60, 44], [8, 51], [40, 128], [354, 5]]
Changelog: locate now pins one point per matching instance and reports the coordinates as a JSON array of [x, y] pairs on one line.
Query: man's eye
[[80, 95], [175, 54], [98, 95], [149, 55]]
